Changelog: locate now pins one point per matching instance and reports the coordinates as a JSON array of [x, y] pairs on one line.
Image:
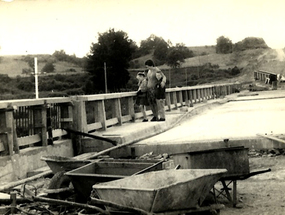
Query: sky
[[44, 26]]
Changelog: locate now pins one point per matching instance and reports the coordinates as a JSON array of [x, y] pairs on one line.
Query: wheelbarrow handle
[[113, 142], [254, 173]]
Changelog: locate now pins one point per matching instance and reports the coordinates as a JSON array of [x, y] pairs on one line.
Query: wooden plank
[[22, 181], [112, 121], [94, 126], [66, 120], [23, 141], [58, 133], [126, 118], [271, 138], [21, 102], [5, 130]]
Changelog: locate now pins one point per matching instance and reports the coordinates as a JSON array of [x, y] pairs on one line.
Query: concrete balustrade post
[[210, 95], [205, 95], [195, 93], [168, 101], [190, 93], [174, 98], [180, 98], [199, 95], [186, 98]]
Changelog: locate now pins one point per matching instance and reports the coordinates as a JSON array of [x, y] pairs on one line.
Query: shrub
[[26, 85]]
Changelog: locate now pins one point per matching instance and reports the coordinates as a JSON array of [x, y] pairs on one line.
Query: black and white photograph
[[142, 107]]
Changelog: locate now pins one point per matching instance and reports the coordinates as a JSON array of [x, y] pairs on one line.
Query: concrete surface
[[17, 166], [237, 117], [241, 117]]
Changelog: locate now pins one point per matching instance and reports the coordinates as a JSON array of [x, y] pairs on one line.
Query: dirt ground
[[261, 194]]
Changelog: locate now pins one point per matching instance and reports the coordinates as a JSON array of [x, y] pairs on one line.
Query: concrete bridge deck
[[238, 117]]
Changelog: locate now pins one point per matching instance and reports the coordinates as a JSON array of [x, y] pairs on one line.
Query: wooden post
[[66, 115], [13, 202], [44, 125], [116, 110], [9, 126], [39, 116], [100, 113], [234, 193], [131, 110], [36, 78]]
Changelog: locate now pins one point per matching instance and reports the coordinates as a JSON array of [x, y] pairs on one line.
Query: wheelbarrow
[[234, 159], [233, 180]]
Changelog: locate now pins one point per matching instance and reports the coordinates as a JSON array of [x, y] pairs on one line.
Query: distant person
[[141, 100], [151, 87], [160, 96]]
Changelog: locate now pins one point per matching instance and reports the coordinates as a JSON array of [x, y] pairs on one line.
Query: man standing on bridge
[[151, 87]]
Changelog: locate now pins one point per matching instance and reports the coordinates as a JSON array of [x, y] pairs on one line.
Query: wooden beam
[[271, 138]]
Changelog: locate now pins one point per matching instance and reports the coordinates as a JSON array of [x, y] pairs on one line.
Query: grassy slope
[[249, 61], [13, 65]]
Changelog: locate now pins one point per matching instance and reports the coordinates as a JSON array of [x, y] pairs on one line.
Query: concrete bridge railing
[[39, 122], [262, 75]]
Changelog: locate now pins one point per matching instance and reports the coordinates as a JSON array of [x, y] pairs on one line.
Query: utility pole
[[169, 75], [36, 78], [186, 76], [105, 74]]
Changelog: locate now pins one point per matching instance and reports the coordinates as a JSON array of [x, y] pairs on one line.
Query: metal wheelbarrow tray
[[83, 178], [59, 163], [165, 190]]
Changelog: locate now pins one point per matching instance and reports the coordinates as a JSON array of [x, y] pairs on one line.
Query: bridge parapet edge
[[38, 122]]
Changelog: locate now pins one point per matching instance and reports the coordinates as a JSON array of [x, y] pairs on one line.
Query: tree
[[48, 67], [250, 43], [174, 58], [60, 55], [155, 45], [224, 45], [177, 55], [115, 49]]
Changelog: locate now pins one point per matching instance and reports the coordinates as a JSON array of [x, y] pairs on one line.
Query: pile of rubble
[[266, 153]]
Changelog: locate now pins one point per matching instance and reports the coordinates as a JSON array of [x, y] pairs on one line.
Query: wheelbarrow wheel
[[59, 185]]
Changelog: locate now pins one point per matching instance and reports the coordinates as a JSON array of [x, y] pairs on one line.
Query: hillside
[[209, 67], [247, 61], [14, 64]]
